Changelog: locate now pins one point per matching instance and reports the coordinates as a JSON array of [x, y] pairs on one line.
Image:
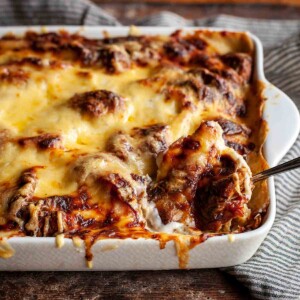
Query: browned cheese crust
[[94, 130]]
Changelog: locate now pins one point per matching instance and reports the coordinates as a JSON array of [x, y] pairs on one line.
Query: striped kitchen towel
[[274, 271]]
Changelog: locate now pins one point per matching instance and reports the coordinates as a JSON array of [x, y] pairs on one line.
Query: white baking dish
[[41, 254]]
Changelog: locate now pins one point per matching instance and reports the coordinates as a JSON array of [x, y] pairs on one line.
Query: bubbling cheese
[[88, 128]]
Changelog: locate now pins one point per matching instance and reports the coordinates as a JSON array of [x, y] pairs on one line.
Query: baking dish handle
[[283, 119]]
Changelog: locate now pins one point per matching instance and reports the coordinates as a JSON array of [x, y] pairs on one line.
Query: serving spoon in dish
[[290, 165]]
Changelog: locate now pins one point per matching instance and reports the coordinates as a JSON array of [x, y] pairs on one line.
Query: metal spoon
[[290, 165]]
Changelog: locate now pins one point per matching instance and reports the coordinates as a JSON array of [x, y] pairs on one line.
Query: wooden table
[[193, 284], [129, 12]]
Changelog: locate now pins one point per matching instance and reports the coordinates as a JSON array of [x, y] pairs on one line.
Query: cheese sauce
[[84, 124]]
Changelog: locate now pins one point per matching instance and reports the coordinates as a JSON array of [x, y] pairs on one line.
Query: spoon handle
[[290, 165]]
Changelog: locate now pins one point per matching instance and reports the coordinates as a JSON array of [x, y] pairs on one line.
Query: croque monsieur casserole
[[141, 136]]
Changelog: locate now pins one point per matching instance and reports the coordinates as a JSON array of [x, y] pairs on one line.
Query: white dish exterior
[[36, 253]]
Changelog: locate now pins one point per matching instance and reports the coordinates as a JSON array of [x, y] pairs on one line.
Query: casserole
[[145, 254]]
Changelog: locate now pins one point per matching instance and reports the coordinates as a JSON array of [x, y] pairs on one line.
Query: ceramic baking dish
[[40, 253]]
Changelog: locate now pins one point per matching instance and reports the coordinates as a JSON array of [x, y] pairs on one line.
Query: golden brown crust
[[13, 75], [129, 121], [42, 141], [97, 103]]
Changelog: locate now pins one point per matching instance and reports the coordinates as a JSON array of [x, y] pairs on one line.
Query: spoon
[[290, 165]]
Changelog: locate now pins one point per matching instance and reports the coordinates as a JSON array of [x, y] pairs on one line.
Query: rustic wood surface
[[129, 13], [278, 2], [193, 284]]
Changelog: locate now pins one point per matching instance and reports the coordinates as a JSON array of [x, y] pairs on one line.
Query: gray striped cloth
[[274, 271]]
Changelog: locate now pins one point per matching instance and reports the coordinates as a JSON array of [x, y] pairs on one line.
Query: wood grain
[[277, 2], [131, 13], [193, 284]]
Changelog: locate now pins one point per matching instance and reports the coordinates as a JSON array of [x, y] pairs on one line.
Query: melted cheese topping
[[6, 251], [52, 123]]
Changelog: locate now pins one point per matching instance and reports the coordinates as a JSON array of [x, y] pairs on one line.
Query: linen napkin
[[274, 271]]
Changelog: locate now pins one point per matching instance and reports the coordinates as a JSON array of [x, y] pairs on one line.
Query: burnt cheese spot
[[65, 45], [84, 74], [29, 61], [191, 84], [53, 210], [232, 128], [42, 141], [44, 42], [175, 50], [153, 138], [13, 75], [121, 146], [114, 59], [181, 47], [210, 78], [241, 148], [241, 110], [197, 42], [228, 165], [241, 63], [97, 103], [236, 135], [209, 83], [190, 144]]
